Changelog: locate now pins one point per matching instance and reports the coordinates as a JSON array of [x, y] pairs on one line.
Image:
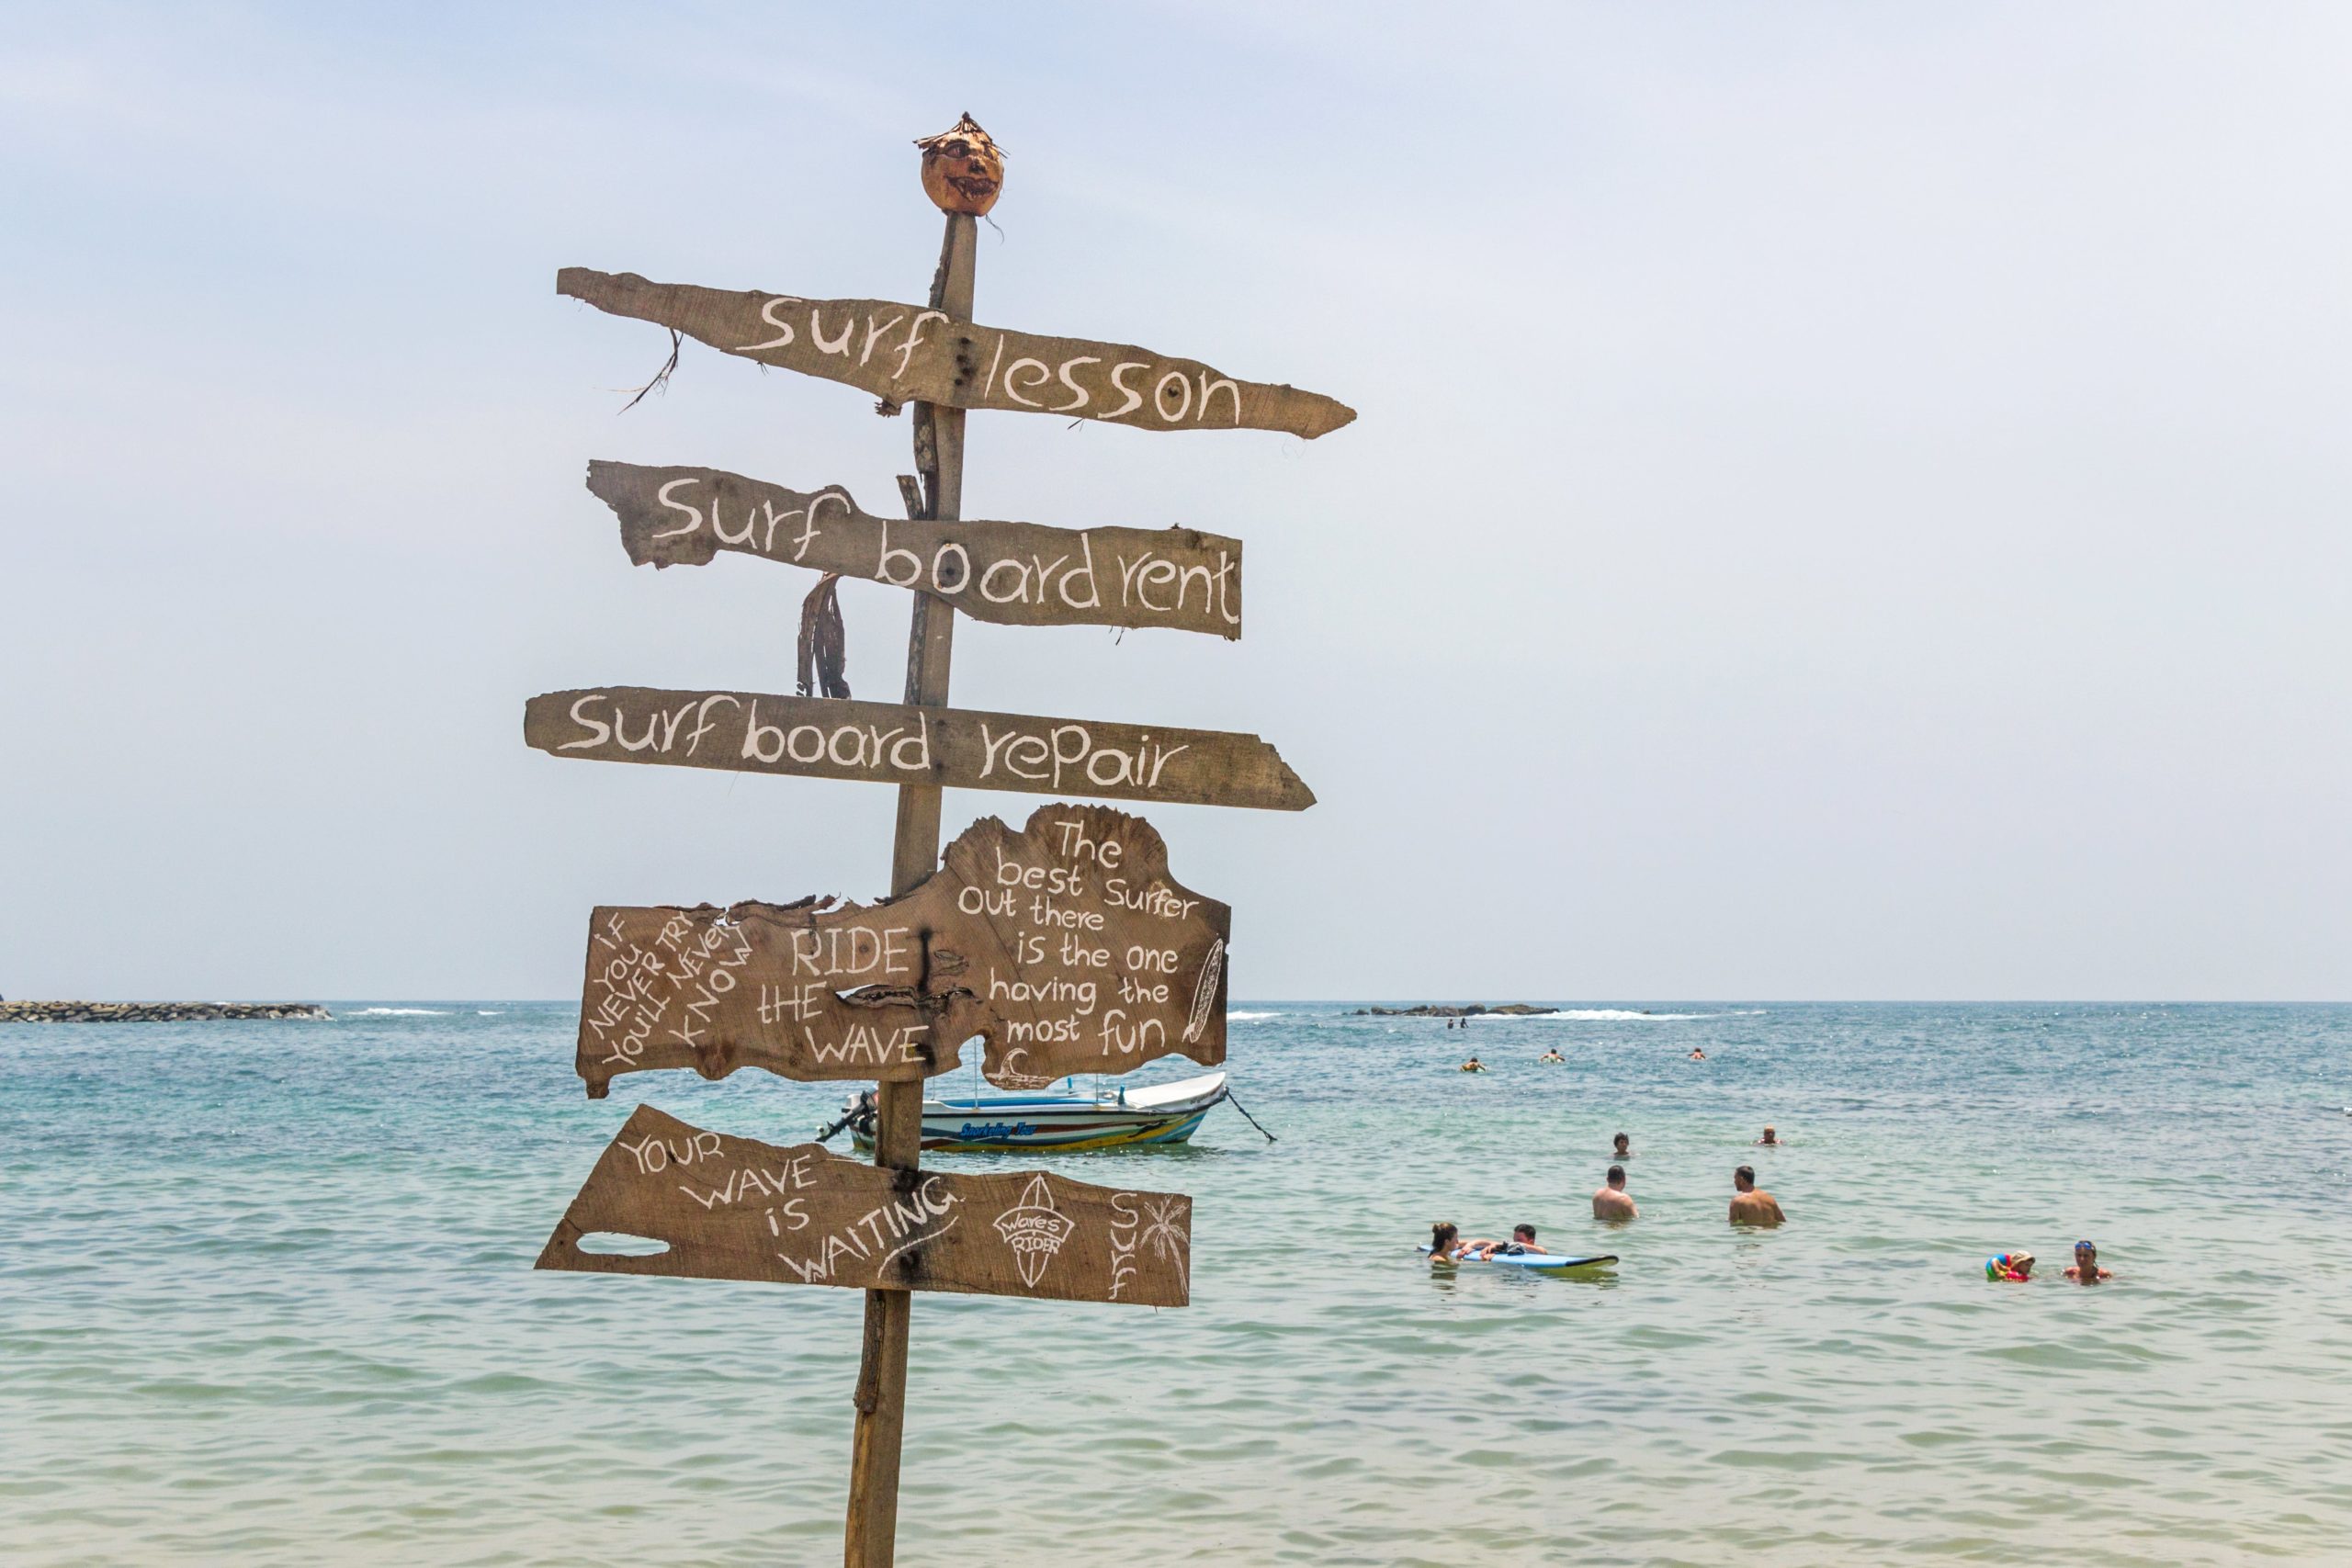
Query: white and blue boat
[[1062, 1116]]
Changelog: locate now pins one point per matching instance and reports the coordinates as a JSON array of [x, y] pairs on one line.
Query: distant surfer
[[1624, 1149], [1474, 1066], [1552, 1055], [1771, 1140], [2085, 1269], [1750, 1207], [1613, 1202]]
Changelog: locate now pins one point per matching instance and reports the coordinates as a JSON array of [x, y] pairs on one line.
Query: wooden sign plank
[[828, 737], [1066, 947], [905, 353], [1020, 574], [738, 1209]]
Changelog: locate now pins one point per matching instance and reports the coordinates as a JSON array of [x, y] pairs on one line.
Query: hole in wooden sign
[[618, 1244]]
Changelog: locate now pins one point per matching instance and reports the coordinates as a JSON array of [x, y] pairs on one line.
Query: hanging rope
[[1245, 1116], [824, 654]]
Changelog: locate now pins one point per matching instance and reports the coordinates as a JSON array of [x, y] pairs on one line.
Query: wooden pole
[[871, 1538]]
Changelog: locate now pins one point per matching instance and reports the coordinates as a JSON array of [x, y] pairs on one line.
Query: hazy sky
[[1849, 501]]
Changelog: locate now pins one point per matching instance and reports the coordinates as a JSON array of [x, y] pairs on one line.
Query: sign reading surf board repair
[[838, 738], [1066, 947], [907, 354], [1020, 574], [738, 1209]]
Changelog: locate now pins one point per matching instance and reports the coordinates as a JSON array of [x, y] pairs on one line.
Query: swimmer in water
[[1612, 1202], [1771, 1140], [1750, 1206], [1552, 1055], [1697, 1055], [1474, 1066], [1446, 1245], [1523, 1241], [2014, 1266], [1624, 1149], [2085, 1269]]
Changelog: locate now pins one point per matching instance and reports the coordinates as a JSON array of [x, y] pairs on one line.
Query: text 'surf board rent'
[[1020, 574]]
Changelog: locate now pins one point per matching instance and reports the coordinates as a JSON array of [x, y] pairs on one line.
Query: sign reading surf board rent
[[907, 354], [1066, 947], [1020, 574], [839, 738], [734, 1208]]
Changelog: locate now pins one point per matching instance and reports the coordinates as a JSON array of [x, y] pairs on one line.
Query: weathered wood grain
[[761, 732], [1066, 947], [737, 1209], [1020, 574], [906, 354]]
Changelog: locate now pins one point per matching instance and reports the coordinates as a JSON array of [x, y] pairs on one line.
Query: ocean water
[[266, 1297]]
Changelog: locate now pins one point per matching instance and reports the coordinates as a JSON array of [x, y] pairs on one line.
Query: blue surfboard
[[1538, 1262]]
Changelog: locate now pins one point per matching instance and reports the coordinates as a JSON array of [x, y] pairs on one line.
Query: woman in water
[[1446, 1245], [2085, 1269]]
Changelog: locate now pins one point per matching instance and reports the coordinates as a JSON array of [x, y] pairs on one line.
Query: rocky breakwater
[[151, 1013]]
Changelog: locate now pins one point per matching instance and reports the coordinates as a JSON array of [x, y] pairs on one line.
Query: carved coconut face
[[962, 171]]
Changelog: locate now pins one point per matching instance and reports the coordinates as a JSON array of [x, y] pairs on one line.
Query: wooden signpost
[[1019, 574], [738, 1209], [904, 353], [1063, 946], [838, 738], [1067, 947]]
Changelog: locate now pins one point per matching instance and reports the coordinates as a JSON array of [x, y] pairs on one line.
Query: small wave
[[490, 1012], [400, 1012], [1251, 1016], [1616, 1015]]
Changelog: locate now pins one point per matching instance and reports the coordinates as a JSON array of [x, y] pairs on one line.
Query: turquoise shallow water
[[266, 1297]]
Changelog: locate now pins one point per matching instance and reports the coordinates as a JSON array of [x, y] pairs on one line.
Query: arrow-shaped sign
[[761, 732], [905, 353], [1019, 574], [727, 1208]]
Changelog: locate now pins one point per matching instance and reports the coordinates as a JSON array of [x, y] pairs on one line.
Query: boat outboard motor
[[857, 1112]]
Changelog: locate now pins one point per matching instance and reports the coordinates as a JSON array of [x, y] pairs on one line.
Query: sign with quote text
[[905, 353], [1066, 947], [1020, 574], [840, 738], [734, 1208]]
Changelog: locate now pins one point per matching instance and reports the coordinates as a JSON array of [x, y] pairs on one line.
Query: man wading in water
[[1749, 1207], [1612, 1203]]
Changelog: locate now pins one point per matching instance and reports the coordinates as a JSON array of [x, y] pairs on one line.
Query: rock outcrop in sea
[[152, 1013]]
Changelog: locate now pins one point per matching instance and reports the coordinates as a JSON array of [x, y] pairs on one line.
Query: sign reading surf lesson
[[1063, 946]]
